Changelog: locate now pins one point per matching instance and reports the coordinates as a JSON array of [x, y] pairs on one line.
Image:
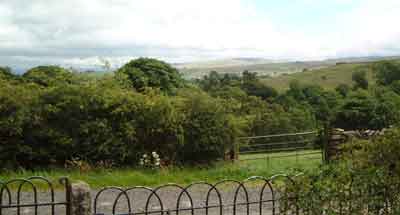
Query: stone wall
[[338, 137]]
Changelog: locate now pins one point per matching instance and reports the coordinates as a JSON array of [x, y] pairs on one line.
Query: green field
[[130, 177], [279, 155], [328, 78], [270, 69]]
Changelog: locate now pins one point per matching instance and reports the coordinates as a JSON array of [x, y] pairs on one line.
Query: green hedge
[[42, 127]]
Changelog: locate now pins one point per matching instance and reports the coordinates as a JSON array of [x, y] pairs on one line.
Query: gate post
[[80, 199]]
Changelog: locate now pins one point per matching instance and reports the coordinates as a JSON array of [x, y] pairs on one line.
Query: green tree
[[343, 89], [6, 73], [360, 79], [209, 130], [148, 72], [277, 120], [49, 76], [16, 103], [249, 76], [369, 110], [210, 82], [254, 87], [260, 90], [386, 72], [322, 103], [395, 86]]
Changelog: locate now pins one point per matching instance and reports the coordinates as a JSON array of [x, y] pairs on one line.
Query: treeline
[[50, 115]]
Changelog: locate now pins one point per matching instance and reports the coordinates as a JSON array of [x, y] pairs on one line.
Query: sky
[[78, 33]]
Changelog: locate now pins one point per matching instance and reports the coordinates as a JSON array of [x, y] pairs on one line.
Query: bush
[[364, 182], [96, 124], [209, 131], [15, 107], [368, 110]]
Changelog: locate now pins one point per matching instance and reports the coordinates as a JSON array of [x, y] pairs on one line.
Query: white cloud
[[77, 31], [367, 30]]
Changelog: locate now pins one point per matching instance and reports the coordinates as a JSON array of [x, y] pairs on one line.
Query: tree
[[49, 76], [6, 73], [360, 79], [356, 112], [386, 72], [254, 87], [323, 103], [295, 90], [211, 81], [277, 120], [395, 86], [343, 89], [249, 76], [369, 110], [258, 89], [209, 130], [148, 72]]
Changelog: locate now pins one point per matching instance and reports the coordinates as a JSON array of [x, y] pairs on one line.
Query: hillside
[[328, 78], [265, 67]]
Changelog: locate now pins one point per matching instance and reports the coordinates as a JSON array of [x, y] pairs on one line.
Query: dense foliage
[[146, 72], [49, 76], [366, 181], [50, 115]]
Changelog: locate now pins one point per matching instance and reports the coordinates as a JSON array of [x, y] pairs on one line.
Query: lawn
[[130, 177]]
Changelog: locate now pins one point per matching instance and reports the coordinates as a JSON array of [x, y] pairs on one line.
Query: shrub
[[208, 130], [364, 182], [97, 124]]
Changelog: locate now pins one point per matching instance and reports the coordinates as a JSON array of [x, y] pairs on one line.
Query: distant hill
[[270, 68], [222, 63], [266, 67], [329, 77]]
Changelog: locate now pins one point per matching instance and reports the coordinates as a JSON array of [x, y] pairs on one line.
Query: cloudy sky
[[80, 32]]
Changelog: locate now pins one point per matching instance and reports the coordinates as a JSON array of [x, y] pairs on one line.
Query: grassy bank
[[328, 78], [130, 177]]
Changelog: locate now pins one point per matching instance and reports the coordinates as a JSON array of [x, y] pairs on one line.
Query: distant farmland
[[264, 69], [328, 73], [328, 78]]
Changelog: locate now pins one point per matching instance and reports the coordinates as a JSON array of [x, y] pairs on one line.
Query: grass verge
[[131, 177]]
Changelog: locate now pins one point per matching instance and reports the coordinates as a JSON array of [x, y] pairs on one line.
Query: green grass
[[328, 78], [130, 177], [276, 162], [261, 69]]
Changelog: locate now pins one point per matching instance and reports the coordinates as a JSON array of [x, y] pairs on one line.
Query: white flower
[[145, 155], [141, 163], [157, 163]]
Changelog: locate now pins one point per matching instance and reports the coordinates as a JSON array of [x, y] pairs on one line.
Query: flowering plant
[[150, 161]]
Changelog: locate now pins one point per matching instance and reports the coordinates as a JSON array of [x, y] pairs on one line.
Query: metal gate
[[278, 146]]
